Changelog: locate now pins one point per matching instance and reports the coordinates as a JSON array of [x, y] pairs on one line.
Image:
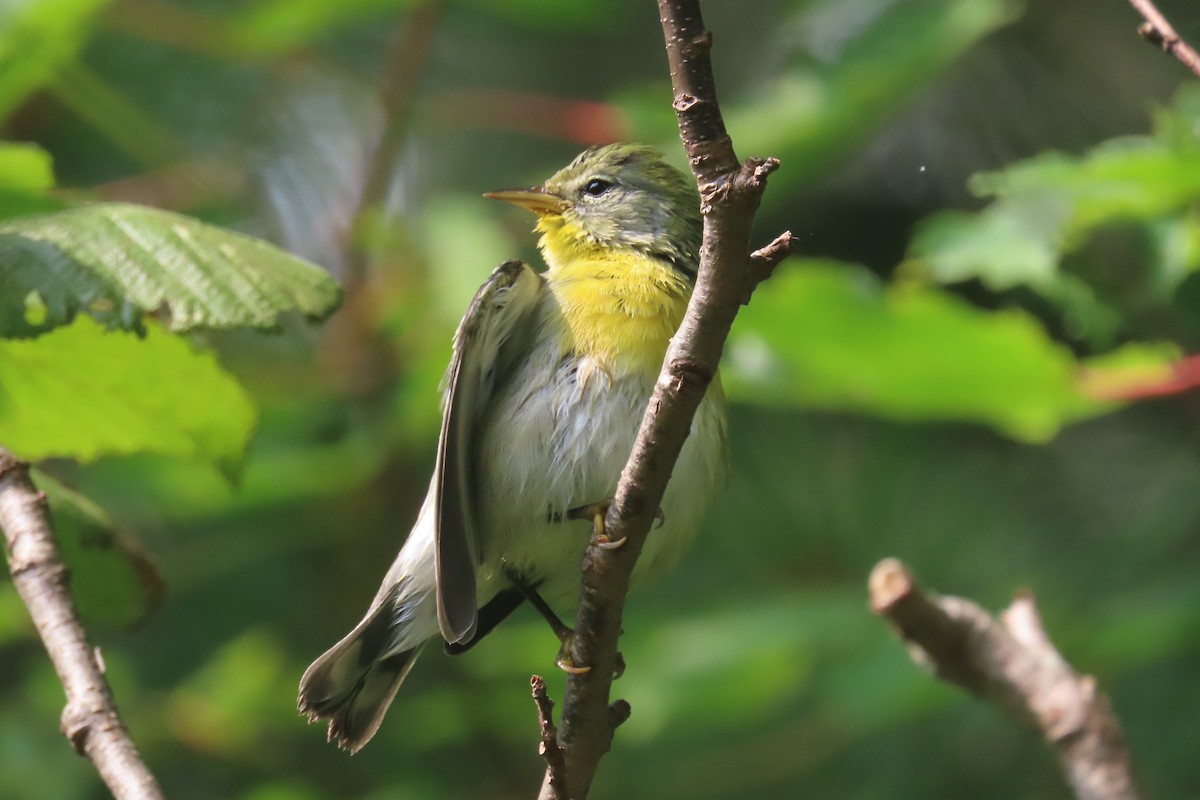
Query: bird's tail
[[353, 683]]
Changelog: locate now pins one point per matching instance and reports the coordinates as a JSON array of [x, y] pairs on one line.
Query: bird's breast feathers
[[617, 307], [571, 411]]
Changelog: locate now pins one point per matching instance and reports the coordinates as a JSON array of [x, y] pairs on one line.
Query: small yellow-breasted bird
[[546, 388]]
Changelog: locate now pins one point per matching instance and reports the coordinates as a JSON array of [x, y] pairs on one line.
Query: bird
[[549, 378]]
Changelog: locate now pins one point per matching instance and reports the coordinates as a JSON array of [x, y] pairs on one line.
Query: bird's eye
[[597, 186]]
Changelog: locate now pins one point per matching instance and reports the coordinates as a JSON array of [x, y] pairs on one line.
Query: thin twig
[[1012, 663], [1159, 32], [764, 260], [730, 195], [89, 720], [549, 748]]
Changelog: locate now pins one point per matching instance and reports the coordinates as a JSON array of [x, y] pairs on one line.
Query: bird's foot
[[563, 660], [563, 632], [595, 513], [566, 664]]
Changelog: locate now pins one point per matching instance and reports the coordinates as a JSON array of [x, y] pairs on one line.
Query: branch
[[549, 748], [1158, 31], [729, 197], [1012, 663], [89, 720]]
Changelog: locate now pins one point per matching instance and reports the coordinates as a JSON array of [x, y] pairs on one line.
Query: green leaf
[[829, 336], [1007, 246], [83, 392], [1133, 177], [36, 38], [26, 174], [112, 580], [1048, 206], [25, 168], [118, 262], [1004, 246]]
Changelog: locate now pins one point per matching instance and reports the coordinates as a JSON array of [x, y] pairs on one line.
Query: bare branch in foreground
[[730, 195], [1158, 31], [549, 748], [1013, 663], [89, 720]]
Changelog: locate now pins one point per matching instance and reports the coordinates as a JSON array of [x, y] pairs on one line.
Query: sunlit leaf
[[118, 262], [25, 168], [83, 392], [26, 173], [830, 336], [112, 580]]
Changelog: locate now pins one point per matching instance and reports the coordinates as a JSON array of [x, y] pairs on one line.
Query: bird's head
[[618, 196]]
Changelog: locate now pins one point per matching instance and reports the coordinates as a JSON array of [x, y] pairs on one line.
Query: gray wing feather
[[499, 315]]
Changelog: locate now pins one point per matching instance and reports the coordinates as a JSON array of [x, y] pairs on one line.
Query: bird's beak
[[535, 198]]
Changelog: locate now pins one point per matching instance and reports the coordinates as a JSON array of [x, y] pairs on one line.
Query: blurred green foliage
[[112, 580], [36, 39], [358, 135], [1050, 206]]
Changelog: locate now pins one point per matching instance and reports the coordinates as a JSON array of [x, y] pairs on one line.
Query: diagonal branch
[[1012, 663], [89, 720], [1158, 31], [730, 195]]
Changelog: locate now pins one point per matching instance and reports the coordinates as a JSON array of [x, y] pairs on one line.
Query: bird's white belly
[[564, 447]]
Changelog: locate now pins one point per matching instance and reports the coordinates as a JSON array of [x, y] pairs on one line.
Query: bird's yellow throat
[[620, 307]]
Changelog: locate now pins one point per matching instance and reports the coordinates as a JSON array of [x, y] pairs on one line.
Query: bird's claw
[[563, 660], [566, 666], [595, 513]]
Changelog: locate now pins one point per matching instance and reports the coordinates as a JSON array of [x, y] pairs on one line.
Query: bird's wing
[[490, 339]]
